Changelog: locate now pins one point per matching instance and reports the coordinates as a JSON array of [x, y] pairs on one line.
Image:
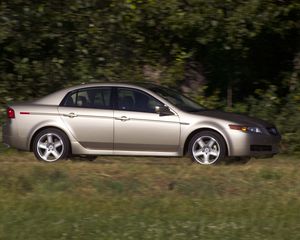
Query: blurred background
[[234, 55], [240, 56]]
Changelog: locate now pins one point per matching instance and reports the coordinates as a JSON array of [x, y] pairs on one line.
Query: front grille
[[260, 148], [272, 131]]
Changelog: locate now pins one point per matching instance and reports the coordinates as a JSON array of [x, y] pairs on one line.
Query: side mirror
[[163, 111]]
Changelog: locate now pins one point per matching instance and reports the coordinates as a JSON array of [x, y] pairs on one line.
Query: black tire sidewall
[[214, 135], [58, 132]]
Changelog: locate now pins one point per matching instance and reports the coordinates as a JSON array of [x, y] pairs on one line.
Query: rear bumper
[[10, 137], [5, 138]]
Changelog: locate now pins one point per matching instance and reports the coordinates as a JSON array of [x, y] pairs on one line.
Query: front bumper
[[252, 144]]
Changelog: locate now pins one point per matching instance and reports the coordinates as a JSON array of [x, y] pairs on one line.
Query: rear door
[[88, 115], [139, 128]]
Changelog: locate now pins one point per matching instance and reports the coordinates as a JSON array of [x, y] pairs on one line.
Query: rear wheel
[[51, 145], [207, 148]]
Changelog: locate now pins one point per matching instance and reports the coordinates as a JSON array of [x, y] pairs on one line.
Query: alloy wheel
[[206, 150], [50, 147]]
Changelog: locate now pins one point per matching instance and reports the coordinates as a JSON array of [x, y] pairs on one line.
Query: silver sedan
[[125, 119]]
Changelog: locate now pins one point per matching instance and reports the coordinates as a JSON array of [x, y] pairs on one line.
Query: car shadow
[[134, 160]]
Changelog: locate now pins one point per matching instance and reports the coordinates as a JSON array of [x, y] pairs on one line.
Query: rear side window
[[90, 98]]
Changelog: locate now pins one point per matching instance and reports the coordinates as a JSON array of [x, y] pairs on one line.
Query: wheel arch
[[46, 127], [198, 130]]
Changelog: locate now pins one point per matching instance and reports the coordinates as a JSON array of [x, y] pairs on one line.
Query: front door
[[137, 127], [88, 115]]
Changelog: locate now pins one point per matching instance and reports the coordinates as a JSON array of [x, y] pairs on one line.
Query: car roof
[[118, 84], [56, 97]]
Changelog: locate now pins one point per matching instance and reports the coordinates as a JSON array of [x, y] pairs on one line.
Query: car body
[[126, 119]]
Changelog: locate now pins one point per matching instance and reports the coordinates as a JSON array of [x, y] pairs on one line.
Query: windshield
[[178, 100]]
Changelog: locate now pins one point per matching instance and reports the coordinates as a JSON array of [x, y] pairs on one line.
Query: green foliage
[[212, 101], [288, 122], [49, 44], [265, 104]]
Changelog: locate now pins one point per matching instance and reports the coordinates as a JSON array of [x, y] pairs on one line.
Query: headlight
[[254, 129], [245, 128]]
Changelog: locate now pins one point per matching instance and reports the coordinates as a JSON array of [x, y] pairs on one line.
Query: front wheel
[[51, 145], [207, 148]]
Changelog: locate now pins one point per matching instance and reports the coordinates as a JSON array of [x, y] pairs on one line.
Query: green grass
[[148, 198]]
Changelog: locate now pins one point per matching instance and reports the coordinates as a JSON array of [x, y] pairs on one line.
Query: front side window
[[90, 98], [135, 100], [177, 99]]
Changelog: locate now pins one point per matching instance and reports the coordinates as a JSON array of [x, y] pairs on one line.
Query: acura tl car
[[140, 120]]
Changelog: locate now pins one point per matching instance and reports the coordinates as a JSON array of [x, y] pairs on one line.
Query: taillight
[[10, 113]]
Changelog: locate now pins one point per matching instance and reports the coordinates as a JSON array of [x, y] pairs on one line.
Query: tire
[[207, 148], [51, 145]]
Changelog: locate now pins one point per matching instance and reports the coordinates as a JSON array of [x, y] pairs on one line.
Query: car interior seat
[[82, 101], [126, 103]]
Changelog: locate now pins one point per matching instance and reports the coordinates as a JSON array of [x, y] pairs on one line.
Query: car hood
[[234, 117]]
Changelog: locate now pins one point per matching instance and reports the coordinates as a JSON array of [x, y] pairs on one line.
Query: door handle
[[71, 115], [123, 118]]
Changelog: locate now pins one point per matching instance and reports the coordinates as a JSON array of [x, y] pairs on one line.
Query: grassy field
[[148, 198]]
